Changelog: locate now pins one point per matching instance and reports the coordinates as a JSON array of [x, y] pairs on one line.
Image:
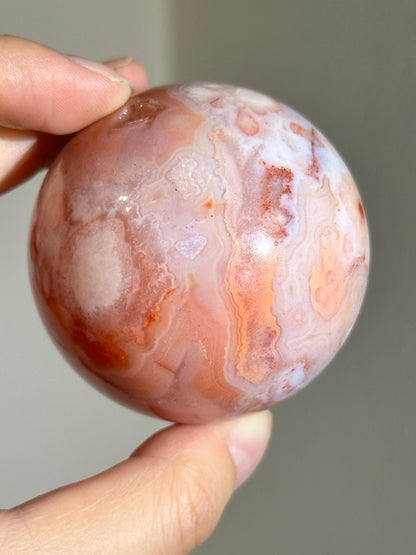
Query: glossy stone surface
[[200, 253]]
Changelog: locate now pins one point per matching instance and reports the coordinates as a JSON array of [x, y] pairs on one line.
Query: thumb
[[167, 498]]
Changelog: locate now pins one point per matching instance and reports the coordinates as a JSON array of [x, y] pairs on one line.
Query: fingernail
[[119, 63], [101, 69], [247, 442]]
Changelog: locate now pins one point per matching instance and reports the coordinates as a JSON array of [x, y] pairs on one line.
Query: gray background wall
[[339, 475]]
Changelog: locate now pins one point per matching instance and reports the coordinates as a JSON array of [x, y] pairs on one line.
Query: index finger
[[44, 93], [44, 90]]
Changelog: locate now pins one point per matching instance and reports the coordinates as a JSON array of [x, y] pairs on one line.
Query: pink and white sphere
[[200, 253]]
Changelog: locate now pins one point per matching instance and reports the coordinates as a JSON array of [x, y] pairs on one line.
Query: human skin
[[188, 471]]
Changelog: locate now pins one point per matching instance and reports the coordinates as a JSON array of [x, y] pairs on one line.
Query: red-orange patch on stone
[[276, 183], [102, 351]]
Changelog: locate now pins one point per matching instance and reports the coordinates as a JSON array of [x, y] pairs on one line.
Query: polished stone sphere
[[200, 253]]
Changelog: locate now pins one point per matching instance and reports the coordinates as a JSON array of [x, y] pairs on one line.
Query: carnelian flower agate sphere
[[200, 253]]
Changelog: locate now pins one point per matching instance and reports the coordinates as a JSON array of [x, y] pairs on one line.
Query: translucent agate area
[[200, 253]]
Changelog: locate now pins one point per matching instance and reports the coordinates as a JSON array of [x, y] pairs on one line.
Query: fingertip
[[132, 70], [248, 438], [245, 439], [101, 70], [44, 90]]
